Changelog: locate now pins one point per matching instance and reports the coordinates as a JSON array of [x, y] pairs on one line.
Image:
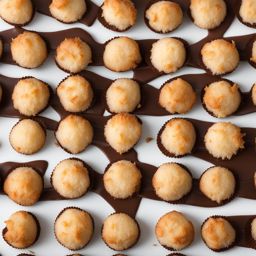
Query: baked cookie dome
[[27, 136], [68, 11], [73, 55], [120, 231], [223, 140], [254, 94], [75, 93], [247, 12], [122, 132], [123, 95], [74, 134], [220, 56], [177, 96], [29, 50], [121, 54], [253, 56], [174, 231], [253, 229]]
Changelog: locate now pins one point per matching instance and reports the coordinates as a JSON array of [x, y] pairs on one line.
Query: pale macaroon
[[174, 231], [253, 229], [177, 96], [223, 140], [122, 131], [68, 11], [168, 55], [253, 56], [123, 95], [220, 56], [253, 94], [29, 50], [247, 12]]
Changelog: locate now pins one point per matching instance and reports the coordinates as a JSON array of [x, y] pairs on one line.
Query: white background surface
[[149, 211]]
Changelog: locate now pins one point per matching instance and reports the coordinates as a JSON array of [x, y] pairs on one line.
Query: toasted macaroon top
[[254, 94], [68, 11], [220, 56], [74, 228], [120, 14], [123, 95], [121, 54], [177, 96], [174, 231], [168, 55], [248, 11], [70, 178], [120, 231], [74, 133], [75, 93], [223, 140], [253, 229]]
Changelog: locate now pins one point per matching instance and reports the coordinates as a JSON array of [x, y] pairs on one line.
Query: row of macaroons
[[219, 56], [122, 179], [74, 228]]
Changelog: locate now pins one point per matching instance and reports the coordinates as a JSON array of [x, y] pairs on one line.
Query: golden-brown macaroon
[[24, 186], [174, 231], [123, 95], [75, 93], [70, 178], [208, 14], [122, 132], [254, 94], [220, 56], [218, 233], [68, 11], [74, 228], [120, 231], [27, 136], [223, 140], [178, 137], [177, 96], [122, 179], [247, 12], [253, 56], [253, 229], [221, 98], [218, 184], [16, 12], [74, 134], [29, 50], [164, 16], [30, 96], [121, 54], [120, 14], [171, 182], [73, 55], [168, 55], [22, 230]]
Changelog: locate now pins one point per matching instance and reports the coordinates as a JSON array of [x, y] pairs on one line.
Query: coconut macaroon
[[24, 186], [168, 55], [30, 96], [174, 231], [208, 14], [177, 96], [74, 134], [220, 56], [120, 14], [122, 179], [218, 234], [253, 92], [70, 178], [253, 56], [218, 184], [121, 54], [171, 182], [16, 12], [247, 12], [27, 136], [221, 98], [178, 137], [74, 228], [122, 132], [73, 55], [253, 229], [75, 93], [29, 50], [120, 231], [68, 11], [223, 140], [22, 230], [123, 95]]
